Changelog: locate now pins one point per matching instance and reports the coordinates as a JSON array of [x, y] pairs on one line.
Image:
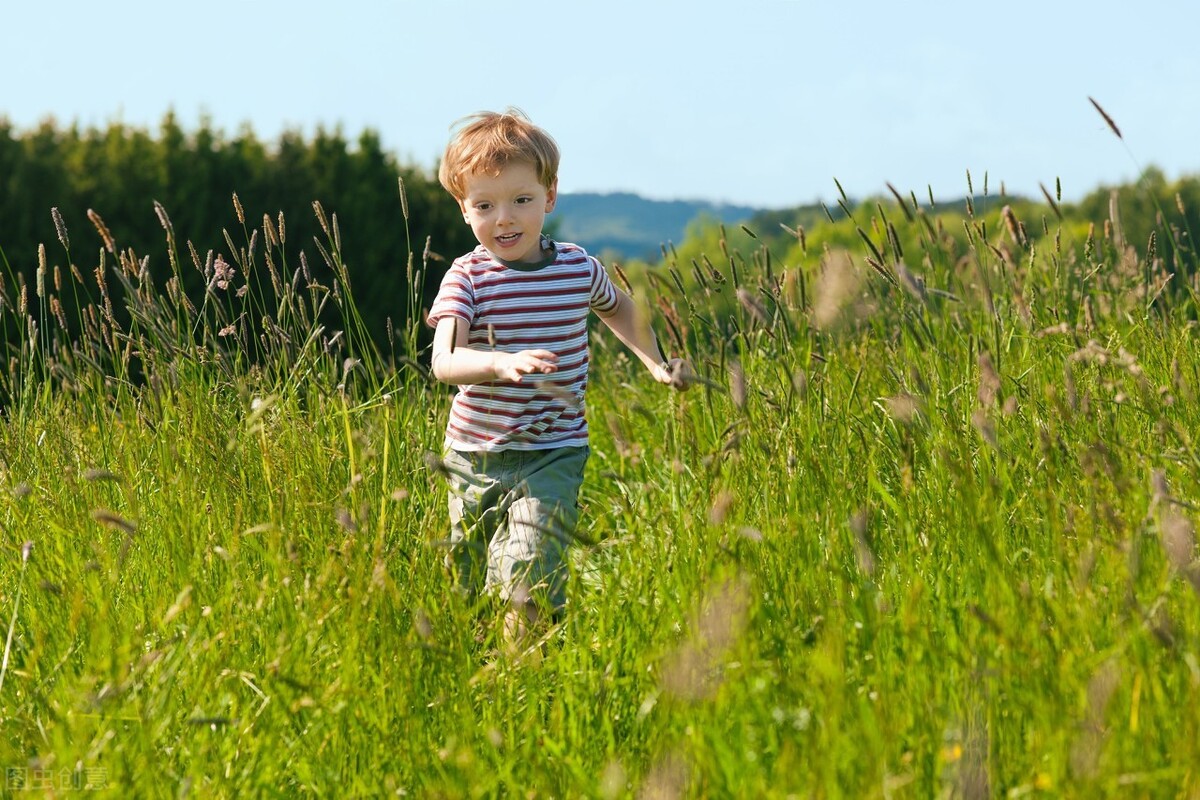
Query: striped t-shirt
[[514, 307]]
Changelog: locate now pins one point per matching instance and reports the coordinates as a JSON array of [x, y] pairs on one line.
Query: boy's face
[[506, 211]]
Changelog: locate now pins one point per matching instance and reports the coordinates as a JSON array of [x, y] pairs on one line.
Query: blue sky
[[758, 102]]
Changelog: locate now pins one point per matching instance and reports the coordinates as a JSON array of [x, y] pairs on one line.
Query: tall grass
[[924, 528]]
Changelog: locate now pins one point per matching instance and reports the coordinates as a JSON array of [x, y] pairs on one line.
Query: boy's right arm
[[455, 363]]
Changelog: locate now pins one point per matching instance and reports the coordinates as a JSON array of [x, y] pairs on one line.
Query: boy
[[510, 323]]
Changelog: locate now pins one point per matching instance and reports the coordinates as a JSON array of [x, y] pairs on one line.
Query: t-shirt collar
[[549, 251]]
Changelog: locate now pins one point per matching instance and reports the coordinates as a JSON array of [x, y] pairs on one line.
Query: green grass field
[[925, 530]]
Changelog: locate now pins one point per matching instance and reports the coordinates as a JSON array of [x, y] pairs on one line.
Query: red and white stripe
[[544, 308]]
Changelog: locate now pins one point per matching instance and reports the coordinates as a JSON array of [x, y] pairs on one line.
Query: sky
[[762, 103]]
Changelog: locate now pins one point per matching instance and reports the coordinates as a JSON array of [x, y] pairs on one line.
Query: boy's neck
[[547, 253]]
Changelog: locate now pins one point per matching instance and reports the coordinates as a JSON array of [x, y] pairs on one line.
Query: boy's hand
[[677, 373], [512, 366]]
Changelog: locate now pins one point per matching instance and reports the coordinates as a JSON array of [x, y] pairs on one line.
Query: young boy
[[510, 323]]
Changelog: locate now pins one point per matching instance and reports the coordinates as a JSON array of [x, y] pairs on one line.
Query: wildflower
[[222, 273]]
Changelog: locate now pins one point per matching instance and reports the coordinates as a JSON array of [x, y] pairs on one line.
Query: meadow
[[923, 528]]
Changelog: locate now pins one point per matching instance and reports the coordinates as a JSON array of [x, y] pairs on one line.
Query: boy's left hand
[[677, 373]]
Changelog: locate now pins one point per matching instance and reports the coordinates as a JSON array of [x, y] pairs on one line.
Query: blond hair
[[484, 143]]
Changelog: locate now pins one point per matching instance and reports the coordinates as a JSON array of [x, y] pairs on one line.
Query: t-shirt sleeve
[[604, 293], [455, 297]]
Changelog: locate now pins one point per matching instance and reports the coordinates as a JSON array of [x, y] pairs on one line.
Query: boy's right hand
[[513, 366]]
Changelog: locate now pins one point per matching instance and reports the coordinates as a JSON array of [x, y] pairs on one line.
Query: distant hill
[[630, 225]]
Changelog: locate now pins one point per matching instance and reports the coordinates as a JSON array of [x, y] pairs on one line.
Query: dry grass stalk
[[559, 393], [41, 271], [163, 219], [1177, 532], [900, 201], [1112, 225], [911, 282], [1109, 120], [692, 671], [319, 210], [989, 382], [972, 778], [986, 427], [720, 507], [57, 309], [737, 384], [434, 463], [1086, 750], [113, 519], [1178, 539], [624, 279], [799, 233], [1016, 230], [1050, 201], [61, 228], [625, 448], [904, 408], [756, 309], [102, 229], [269, 232], [863, 552], [837, 282], [667, 780], [613, 780], [403, 197]]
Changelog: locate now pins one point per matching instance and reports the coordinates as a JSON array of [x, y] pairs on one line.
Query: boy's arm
[[454, 362], [629, 326]]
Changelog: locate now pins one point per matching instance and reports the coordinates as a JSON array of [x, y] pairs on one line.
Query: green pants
[[512, 516]]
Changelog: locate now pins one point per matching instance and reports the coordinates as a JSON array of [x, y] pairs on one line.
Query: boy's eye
[[482, 206], [523, 200]]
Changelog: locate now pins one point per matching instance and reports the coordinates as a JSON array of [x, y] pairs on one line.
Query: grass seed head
[[737, 384], [1107, 119], [1178, 538], [102, 229], [863, 551], [989, 382], [986, 427], [692, 672], [754, 307], [720, 507], [903, 408], [837, 283], [435, 464], [163, 219], [403, 197], [61, 228], [114, 520], [666, 780], [269, 231]]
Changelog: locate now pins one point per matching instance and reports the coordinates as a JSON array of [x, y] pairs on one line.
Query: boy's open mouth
[[508, 238]]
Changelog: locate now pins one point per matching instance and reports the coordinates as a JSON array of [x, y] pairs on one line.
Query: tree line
[[120, 172]]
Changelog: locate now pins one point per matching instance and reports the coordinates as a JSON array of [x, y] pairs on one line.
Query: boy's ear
[[462, 206], [552, 196]]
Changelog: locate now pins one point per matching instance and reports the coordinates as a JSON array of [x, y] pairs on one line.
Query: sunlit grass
[[926, 529]]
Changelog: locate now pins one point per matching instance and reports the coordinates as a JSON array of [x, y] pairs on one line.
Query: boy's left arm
[[635, 332]]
